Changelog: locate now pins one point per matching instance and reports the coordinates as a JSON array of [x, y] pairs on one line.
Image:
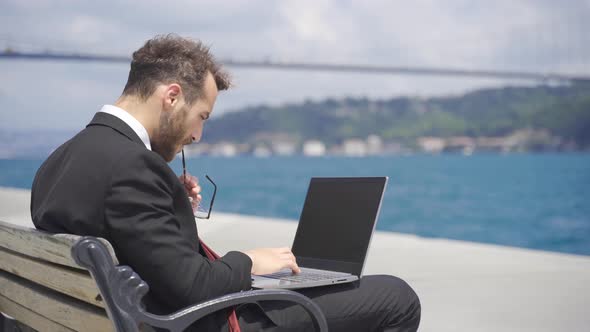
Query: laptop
[[334, 232]]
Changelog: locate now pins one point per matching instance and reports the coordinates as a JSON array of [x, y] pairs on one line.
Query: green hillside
[[564, 111]]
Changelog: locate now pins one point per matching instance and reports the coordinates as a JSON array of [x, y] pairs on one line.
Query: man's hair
[[169, 59]]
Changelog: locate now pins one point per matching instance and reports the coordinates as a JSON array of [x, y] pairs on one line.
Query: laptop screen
[[337, 222]]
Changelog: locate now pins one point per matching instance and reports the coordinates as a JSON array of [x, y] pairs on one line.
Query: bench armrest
[[182, 319], [122, 290]]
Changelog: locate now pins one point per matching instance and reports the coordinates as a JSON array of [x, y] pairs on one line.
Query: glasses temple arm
[[213, 197]]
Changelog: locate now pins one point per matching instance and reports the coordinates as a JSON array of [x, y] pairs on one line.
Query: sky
[[525, 35]]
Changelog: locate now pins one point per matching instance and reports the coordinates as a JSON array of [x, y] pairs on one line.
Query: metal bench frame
[[64, 282], [122, 290]]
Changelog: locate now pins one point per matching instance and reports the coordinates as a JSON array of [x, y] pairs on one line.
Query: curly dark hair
[[170, 58]]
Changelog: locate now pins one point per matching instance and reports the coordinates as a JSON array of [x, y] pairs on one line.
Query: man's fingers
[[270, 260], [294, 267], [191, 184], [195, 202], [289, 256], [197, 189], [290, 262], [284, 250], [189, 181]]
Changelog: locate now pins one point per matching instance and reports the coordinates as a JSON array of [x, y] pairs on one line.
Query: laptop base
[[285, 279]]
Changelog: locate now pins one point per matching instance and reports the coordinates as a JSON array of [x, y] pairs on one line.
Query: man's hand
[[270, 260], [192, 189]]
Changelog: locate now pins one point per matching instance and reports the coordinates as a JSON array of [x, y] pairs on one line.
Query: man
[[112, 180]]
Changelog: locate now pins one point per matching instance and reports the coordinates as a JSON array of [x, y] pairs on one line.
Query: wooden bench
[[65, 282]]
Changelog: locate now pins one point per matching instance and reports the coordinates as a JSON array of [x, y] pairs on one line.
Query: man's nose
[[195, 137]]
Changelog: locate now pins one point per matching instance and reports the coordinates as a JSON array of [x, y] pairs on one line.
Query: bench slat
[[65, 280], [67, 311], [30, 318], [38, 244]]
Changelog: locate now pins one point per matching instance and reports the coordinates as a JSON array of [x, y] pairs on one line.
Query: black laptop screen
[[337, 221]]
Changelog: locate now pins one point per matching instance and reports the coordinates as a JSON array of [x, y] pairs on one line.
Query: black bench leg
[[9, 324]]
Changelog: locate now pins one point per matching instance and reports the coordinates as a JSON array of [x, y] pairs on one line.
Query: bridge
[[540, 77]]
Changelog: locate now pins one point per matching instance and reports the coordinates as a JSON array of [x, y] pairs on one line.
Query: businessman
[[112, 180]]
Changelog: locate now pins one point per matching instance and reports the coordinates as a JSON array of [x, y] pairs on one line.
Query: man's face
[[184, 124]]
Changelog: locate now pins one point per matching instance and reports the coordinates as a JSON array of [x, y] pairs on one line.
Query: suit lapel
[[108, 120]]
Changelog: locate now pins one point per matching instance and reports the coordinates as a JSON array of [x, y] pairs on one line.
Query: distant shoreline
[[336, 156]]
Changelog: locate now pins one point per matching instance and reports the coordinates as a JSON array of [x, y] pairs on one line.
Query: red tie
[[233, 318]]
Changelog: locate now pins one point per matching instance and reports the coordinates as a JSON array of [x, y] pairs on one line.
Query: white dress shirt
[[132, 122]]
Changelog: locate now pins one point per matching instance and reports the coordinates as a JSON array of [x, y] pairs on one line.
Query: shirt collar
[[132, 122]]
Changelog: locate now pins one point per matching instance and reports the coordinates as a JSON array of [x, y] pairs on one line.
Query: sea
[[537, 201]]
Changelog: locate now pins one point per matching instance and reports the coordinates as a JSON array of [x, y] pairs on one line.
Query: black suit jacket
[[104, 182]]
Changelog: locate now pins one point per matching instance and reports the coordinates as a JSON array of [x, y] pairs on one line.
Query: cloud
[[531, 35], [56, 95]]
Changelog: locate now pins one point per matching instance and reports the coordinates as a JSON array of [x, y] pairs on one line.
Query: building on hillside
[[314, 148], [354, 148], [463, 144], [261, 151], [431, 144], [284, 148], [374, 145], [224, 149]]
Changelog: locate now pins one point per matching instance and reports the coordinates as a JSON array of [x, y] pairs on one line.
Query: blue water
[[533, 201]]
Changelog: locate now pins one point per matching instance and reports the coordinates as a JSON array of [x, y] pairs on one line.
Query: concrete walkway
[[463, 286]]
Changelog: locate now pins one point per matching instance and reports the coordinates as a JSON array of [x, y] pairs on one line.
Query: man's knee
[[403, 302], [405, 291]]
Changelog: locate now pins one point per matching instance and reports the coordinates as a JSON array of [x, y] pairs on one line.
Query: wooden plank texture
[[65, 280], [30, 318], [54, 248], [64, 310]]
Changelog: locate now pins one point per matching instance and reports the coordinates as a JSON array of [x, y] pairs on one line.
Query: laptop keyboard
[[305, 275]]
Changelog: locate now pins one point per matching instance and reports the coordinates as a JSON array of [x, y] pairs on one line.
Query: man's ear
[[172, 96]]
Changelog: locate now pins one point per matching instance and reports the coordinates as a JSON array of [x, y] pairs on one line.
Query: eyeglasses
[[199, 212]]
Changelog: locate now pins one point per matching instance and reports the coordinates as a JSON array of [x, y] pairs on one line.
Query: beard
[[171, 134]]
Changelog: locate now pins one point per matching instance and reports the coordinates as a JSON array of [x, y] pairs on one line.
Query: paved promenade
[[463, 286]]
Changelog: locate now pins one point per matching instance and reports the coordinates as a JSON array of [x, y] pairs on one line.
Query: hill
[[560, 113]]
